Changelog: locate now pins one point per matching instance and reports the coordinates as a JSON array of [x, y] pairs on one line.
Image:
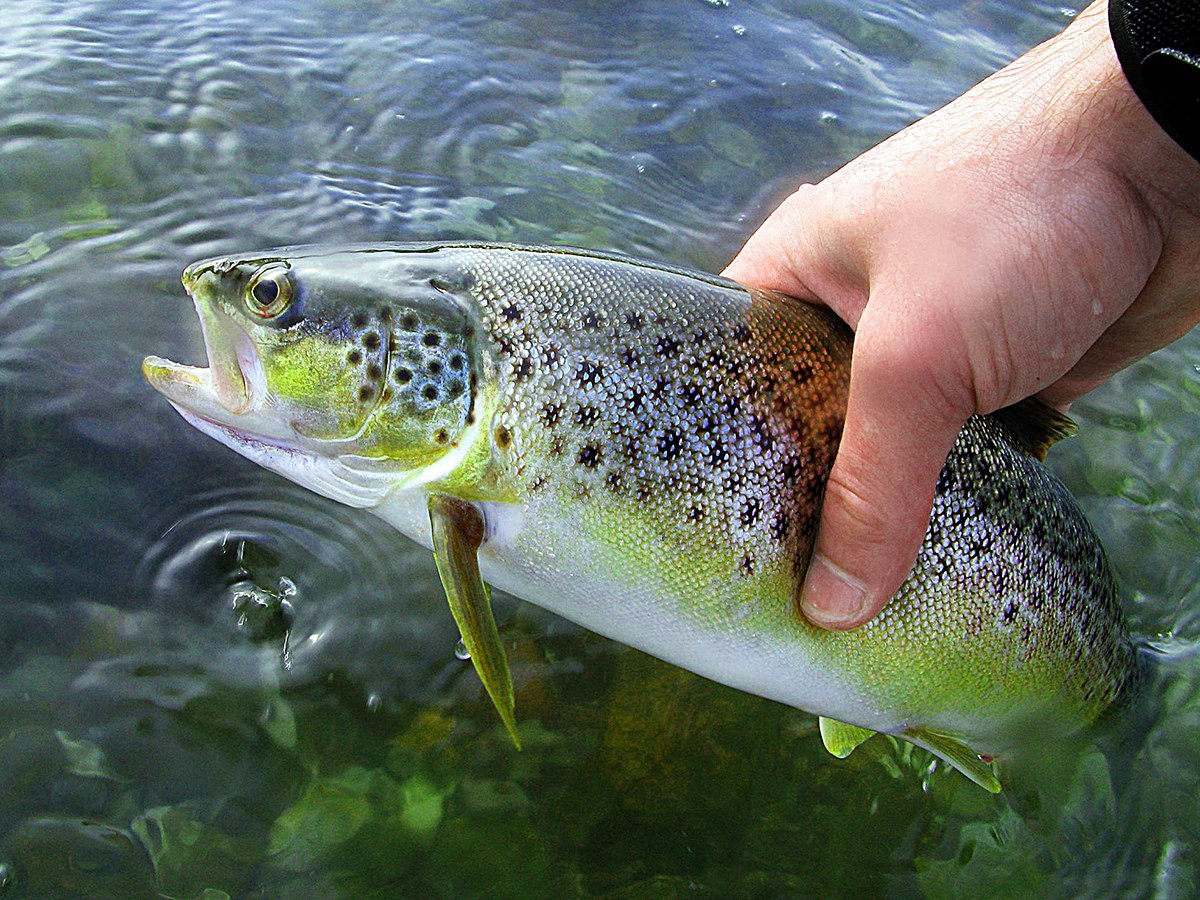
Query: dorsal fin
[[1034, 426]]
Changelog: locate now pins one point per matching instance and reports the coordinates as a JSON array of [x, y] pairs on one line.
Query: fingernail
[[831, 597]]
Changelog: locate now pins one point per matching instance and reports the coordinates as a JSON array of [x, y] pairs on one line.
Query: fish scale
[[719, 413], [643, 450]]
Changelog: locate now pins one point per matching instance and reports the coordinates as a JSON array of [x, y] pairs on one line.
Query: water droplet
[[460, 650], [827, 117], [1097, 307], [8, 876], [739, 30], [374, 703]]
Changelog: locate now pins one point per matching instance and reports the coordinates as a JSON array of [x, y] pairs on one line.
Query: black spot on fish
[[371, 341], [670, 444], [1010, 612], [409, 321], [732, 407], [614, 481], [589, 373], [503, 437], [511, 313], [741, 334], [636, 399], [586, 416], [366, 393], [662, 387], [455, 389], [780, 525], [633, 451], [431, 339], [456, 362], [552, 414], [696, 513], [746, 565], [360, 320], [403, 376], [762, 436], [374, 371], [666, 346], [441, 436], [385, 314], [700, 337], [801, 372], [550, 354], [629, 357], [751, 511], [591, 320], [589, 456], [645, 493], [434, 367], [354, 357], [718, 454], [635, 321], [430, 392], [831, 434], [537, 484], [791, 468], [690, 393], [523, 369]]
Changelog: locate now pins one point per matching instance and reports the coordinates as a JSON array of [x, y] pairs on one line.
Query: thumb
[[899, 429]]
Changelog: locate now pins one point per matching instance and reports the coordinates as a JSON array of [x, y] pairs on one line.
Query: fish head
[[350, 372]]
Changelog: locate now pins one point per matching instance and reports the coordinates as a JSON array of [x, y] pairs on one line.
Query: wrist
[[1112, 125], [1158, 45]]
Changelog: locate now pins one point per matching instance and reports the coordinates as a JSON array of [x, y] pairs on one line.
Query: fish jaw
[[346, 479], [230, 396]]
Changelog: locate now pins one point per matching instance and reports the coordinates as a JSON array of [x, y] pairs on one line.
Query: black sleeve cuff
[[1158, 45]]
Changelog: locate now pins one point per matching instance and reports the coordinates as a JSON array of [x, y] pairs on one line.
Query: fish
[[643, 449]]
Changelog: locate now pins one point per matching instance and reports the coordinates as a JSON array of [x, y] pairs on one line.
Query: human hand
[[1033, 237]]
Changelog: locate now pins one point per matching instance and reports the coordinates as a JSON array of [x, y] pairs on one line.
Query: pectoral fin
[[458, 529], [957, 754], [841, 739]]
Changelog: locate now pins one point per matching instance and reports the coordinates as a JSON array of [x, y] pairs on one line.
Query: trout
[[643, 450]]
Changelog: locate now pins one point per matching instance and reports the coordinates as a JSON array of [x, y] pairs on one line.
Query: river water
[[215, 684]]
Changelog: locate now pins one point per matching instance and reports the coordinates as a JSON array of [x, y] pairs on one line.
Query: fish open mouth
[[230, 392]]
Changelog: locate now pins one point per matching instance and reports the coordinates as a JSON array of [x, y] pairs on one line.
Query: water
[[213, 683]]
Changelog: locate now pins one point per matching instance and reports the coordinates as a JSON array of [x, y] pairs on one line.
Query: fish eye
[[269, 291]]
